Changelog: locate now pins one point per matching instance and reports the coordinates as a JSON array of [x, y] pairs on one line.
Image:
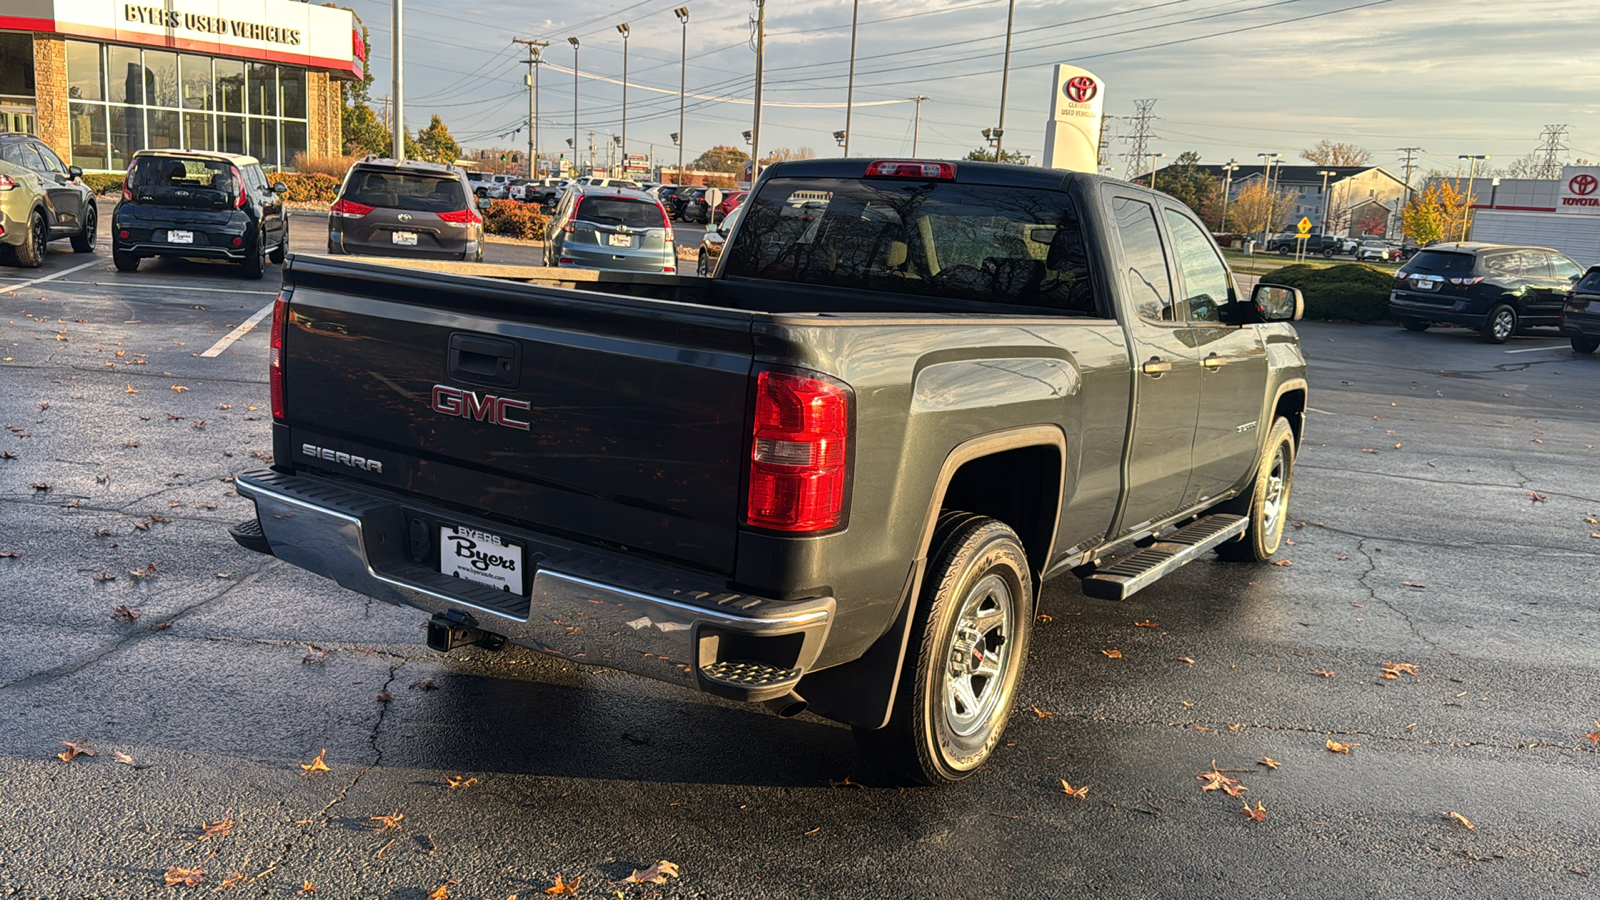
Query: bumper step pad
[[750, 675], [248, 535], [1143, 567]]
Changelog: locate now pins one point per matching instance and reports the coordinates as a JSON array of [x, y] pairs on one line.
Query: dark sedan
[[1580, 317]]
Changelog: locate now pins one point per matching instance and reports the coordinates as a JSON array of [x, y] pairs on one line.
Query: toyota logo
[[1583, 185], [1080, 89], [404, 217]]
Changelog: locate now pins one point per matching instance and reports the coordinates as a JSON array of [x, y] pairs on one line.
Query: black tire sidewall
[[1582, 344], [1256, 545], [1488, 324]]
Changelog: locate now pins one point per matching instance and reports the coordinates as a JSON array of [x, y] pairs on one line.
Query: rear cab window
[[406, 190], [597, 209], [986, 244]]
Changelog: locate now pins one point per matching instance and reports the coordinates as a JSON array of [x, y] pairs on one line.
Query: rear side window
[[972, 242], [615, 211], [1519, 264], [1590, 283], [1435, 262], [1145, 275], [416, 191]]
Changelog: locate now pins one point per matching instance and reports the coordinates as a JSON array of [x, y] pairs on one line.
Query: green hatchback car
[[41, 200]]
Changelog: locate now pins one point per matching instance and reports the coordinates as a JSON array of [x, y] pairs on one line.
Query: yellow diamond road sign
[[1304, 225]]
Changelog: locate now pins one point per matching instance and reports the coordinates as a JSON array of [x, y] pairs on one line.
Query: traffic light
[[502, 157]]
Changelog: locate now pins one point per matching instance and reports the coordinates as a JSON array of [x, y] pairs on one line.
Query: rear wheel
[[970, 639], [1328, 253], [1500, 325], [1585, 343], [255, 265], [83, 241], [280, 252], [1415, 324], [124, 261], [30, 253], [1268, 504], [1283, 249], [703, 270]]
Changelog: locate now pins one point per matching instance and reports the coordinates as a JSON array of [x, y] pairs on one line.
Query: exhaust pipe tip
[[787, 706]]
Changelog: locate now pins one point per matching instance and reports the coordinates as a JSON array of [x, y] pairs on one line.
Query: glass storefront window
[[127, 134], [16, 63], [162, 87], [294, 142], [197, 131], [230, 134], [163, 130], [292, 83], [264, 141], [125, 74], [197, 91], [230, 86], [263, 90], [85, 72], [88, 135]]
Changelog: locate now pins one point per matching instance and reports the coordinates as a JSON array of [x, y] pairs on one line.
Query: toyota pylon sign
[[1580, 190], [1072, 135]]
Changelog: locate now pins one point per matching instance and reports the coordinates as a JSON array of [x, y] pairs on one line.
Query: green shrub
[[1350, 291], [102, 182], [314, 188], [509, 218]]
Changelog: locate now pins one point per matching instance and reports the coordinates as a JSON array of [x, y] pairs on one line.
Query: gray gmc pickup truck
[[833, 475]]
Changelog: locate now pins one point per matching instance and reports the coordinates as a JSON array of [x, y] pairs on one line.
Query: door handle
[[1214, 362], [1156, 367]]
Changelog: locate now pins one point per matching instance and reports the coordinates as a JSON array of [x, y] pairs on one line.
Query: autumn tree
[[359, 128], [1257, 208], [782, 154], [721, 158], [1375, 221], [435, 144], [1336, 153], [1442, 210], [1186, 182], [984, 154]]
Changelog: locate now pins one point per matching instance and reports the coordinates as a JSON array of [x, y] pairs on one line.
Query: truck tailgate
[[604, 418]]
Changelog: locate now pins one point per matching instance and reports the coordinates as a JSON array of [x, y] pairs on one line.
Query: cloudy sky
[[1232, 78]]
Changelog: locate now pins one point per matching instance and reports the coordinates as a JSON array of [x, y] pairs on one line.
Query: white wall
[[1578, 236]]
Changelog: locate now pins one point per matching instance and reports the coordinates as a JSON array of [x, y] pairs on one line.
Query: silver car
[[610, 228]]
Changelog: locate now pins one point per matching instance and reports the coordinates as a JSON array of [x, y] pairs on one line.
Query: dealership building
[[98, 80]]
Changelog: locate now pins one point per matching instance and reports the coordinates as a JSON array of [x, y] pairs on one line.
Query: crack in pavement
[[1372, 592]]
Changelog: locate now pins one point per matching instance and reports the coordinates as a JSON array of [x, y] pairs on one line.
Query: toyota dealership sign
[[1579, 190]]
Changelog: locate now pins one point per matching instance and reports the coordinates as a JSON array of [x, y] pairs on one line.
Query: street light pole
[[1267, 224], [397, 42], [755, 130], [534, 48], [916, 127], [683, 73], [1005, 77], [850, 92], [1472, 163], [626, 30], [1153, 158], [1227, 188], [574, 42], [1326, 206]]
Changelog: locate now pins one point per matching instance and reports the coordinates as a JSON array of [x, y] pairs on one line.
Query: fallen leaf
[[123, 612], [145, 572], [305, 889], [1077, 793], [10, 554], [1413, 584], [39, 486], [314, 657], [562, 887], [123, 758], [219, 828], [1282, 562], [180, 389], [174, 417], [161, 626], [424, 684], [1595, 734], [199, 423], [442, 892], [1186, 659], [7, 454], [130, 443], [1459, 819], [185, 877], [1369, 450], [1395, 670], [1535, 497], [1043, 714], [317, 765], [1254, 815], [1215, 780], [1268, 761], [456, 781], [1236, 727], [845, 783], [1325, 673], [1044, 618], [1112, 654], [385, 823], [1340, 746], [74, 750], [658, 873], [44, 404], [1147, 624]]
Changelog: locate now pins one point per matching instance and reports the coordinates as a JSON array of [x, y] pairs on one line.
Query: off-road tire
[[1267, 505]]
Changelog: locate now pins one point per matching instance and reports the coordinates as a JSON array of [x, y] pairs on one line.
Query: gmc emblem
[[454, 401]]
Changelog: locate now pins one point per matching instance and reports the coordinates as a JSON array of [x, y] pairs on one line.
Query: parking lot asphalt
[[1446, 512]]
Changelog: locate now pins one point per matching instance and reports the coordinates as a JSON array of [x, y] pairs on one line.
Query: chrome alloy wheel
[[1505, 321], [975, 673], [1272, 506]]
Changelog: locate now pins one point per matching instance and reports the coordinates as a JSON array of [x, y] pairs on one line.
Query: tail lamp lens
[[798, 453], [1466, 282], [461, 217], [238, 178], [280, 315], [348, 209]]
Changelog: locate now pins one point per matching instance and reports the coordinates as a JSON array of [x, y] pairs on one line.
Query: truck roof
[[969, 171]]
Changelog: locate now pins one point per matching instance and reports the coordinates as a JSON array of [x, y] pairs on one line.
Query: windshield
[[391, 189], [987, 243]]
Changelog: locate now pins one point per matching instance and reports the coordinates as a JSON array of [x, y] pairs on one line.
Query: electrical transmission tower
[[1139, 140], [1549, 152]]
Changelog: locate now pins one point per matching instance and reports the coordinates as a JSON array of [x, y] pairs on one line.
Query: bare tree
[[1529, 166], [1336, 153]]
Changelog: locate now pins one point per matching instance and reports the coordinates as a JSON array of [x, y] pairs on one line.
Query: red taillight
[[1466, 282], [238, 178], [666, 222], [798, 453], [7, 184], [127, 192], [349, 209], [572, 217], [461, 217], [123, 234], [280, 315], [939, 171]]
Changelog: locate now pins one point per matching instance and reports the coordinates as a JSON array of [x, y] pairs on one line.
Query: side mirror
[[74, 172], [280, 188], [484, 203], [1277, 303]]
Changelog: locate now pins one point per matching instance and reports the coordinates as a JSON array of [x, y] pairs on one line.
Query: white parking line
[[155, 286], [241, 331], [1537, 349], [18, 287]]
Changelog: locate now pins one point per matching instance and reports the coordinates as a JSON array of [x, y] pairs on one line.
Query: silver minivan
[[610, 228]]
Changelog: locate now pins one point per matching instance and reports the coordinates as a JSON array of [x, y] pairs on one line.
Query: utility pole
[[1005, 78], [1227, 188], [850, 91], [1139, 140], [916, 127], [683, 73], [574, 42], [1550, 165], [1153, 158], [1326, 206], [397, 44], [1405, 193], [1472, 170], [625, 30], [755, 130], [534, 48], [1271, 194]]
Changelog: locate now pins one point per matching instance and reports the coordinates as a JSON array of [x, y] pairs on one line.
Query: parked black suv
[[1495, 288], [198, 204], [1580, 317]]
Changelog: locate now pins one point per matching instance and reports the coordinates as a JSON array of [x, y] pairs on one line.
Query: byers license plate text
[[480, 556]]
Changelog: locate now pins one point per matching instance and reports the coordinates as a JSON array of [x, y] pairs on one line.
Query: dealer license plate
[[404, 238], [621, 240], [1423, 284], [180, 237], [480, 556]]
